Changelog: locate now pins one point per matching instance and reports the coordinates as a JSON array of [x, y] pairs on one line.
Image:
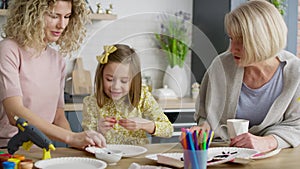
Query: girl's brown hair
[[125, 55]]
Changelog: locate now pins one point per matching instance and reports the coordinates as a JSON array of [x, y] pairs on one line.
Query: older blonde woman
[[256, 79], [32, 72]]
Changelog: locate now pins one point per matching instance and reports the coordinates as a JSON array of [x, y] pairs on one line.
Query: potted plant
[[280, 5], [174, 37]]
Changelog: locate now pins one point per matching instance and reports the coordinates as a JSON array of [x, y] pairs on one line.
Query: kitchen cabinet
[[208, 16], [180, 118]]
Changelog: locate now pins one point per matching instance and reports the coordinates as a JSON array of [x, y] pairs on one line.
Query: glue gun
[[27, 136]]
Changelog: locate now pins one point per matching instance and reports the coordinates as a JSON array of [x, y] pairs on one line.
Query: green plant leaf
[[174, 38]]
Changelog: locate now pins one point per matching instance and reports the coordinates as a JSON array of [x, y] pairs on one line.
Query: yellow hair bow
[[104, 57]]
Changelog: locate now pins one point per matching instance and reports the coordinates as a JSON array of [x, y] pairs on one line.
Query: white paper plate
[[128, 150], [138, 166], [265, 155], [177, 162], [238, 152], [70, 162], [231, 152], [177, 156]]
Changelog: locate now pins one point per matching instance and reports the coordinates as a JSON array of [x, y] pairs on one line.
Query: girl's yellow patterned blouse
[[148, 108]]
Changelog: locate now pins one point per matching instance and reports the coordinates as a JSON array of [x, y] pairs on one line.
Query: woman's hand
[[137, 123], [87, 138], [106, 124], [248, 140]]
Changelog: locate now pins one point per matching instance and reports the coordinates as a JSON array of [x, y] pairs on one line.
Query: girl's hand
[[248, 140], [106, 124], [87, 138], [137, 123]]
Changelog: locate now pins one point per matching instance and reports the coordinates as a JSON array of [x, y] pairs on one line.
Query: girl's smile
[[116, 80]]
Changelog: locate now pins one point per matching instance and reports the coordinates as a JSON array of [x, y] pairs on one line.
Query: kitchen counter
[[183, 103]]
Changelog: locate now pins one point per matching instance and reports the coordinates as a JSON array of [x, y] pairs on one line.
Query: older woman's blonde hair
[[25, 24], [124, 55], [260, 27]]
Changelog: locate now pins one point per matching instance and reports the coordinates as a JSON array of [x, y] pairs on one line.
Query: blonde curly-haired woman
[[32, 72]]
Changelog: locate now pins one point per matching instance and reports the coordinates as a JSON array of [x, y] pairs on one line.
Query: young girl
[[122, 109]]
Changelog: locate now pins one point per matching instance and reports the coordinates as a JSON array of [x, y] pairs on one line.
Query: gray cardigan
[[219, 95]]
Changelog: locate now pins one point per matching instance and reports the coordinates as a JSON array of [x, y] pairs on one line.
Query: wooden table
[[286, 159]]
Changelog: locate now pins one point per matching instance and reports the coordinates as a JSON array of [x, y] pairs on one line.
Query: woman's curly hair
[[25, 24]]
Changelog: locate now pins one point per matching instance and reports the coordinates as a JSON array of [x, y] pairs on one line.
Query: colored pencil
[[184, 139], [204, 141], [195, 139], [192, 151]]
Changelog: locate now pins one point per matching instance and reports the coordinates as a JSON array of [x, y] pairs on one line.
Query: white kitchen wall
[[136, 23]]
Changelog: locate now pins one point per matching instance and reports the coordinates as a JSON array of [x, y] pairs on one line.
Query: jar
[[8, 165], [26, 165], [195, 93], [195, 90]]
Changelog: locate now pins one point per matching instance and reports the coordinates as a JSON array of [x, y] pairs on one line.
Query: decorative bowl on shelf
[[164, 93]]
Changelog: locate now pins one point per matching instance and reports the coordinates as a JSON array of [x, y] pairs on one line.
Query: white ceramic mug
[[236, 127]]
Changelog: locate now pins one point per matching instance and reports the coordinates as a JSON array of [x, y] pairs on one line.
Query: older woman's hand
[[248, 140], [204, 127]]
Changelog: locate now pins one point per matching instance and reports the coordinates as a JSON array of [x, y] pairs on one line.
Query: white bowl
[[110, 156]]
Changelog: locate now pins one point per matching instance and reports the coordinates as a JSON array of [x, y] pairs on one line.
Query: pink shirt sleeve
[[9, 71]]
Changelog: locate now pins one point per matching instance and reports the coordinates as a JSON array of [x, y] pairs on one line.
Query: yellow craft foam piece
[[16, 161]]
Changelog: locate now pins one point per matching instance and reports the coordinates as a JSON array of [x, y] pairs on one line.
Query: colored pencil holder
[[195, 159]]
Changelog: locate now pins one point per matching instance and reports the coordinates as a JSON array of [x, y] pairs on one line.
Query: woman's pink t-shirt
[[39, 80]]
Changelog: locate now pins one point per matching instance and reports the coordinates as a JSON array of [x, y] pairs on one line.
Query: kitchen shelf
[[103, 16], [93, 15]]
